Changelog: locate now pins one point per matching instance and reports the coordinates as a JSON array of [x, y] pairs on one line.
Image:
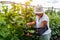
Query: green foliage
[[55, 25], [13, 22]]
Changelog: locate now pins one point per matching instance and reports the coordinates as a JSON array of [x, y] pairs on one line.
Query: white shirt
[[44, 18]]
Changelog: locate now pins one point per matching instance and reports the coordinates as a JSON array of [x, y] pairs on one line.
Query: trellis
[[8, 2]]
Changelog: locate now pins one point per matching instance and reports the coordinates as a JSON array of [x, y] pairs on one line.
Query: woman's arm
[[31, 23], [44, 23]]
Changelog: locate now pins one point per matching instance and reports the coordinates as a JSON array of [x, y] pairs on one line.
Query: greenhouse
[[14, 17]]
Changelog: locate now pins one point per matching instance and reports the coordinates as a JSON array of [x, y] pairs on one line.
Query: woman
[[41, 20]]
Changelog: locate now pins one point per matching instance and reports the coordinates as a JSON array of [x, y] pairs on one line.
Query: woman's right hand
[[31, 23], [28, 24]]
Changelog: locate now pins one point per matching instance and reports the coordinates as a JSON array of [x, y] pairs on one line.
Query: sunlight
[[45, 3]]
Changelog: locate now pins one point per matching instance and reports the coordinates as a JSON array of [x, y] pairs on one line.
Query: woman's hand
[[28, 24], [28, 34], [31, 23]]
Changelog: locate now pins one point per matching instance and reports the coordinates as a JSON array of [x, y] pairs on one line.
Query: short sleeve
[[46, 18]]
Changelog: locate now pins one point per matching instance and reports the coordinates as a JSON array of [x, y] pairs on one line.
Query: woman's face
[[40, 14]]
